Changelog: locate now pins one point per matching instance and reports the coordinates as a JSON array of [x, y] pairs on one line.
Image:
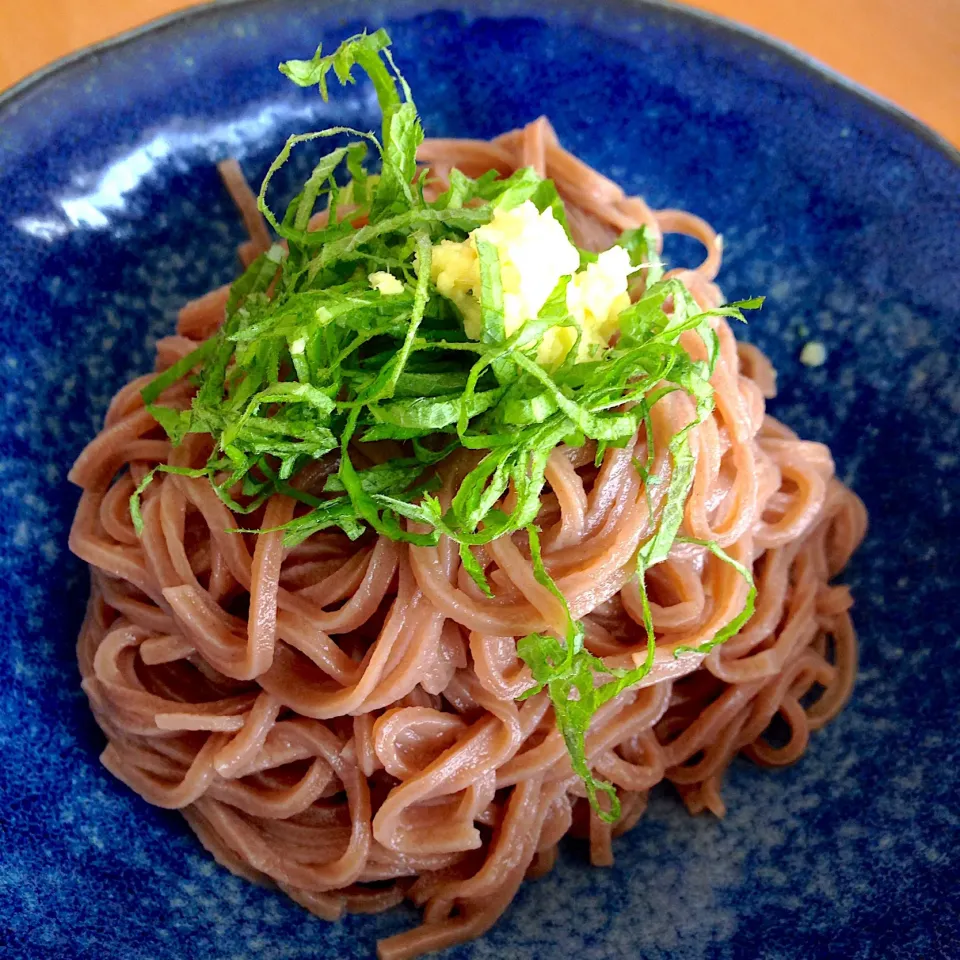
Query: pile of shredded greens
[[311, 358]]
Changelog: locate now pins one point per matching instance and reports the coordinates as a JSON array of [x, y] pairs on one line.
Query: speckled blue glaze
[[844, 214]]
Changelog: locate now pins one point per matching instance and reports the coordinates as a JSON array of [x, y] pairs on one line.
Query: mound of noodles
[[339, 719]]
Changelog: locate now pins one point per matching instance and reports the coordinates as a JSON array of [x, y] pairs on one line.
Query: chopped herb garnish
[[313, 361]]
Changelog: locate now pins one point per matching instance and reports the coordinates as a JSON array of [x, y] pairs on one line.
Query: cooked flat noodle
[[339, 719], [246, 202]]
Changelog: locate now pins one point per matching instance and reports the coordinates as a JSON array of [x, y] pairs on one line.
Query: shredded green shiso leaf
[[311, 358]]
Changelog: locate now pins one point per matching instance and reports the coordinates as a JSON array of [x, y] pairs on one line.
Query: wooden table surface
[[906, 50]]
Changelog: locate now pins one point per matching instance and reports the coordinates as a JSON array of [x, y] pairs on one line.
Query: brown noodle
[[339, 719]]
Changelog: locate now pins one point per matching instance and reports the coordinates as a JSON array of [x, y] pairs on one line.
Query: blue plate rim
[[791, 55]]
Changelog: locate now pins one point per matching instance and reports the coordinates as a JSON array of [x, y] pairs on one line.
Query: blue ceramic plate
[[843, 211]]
